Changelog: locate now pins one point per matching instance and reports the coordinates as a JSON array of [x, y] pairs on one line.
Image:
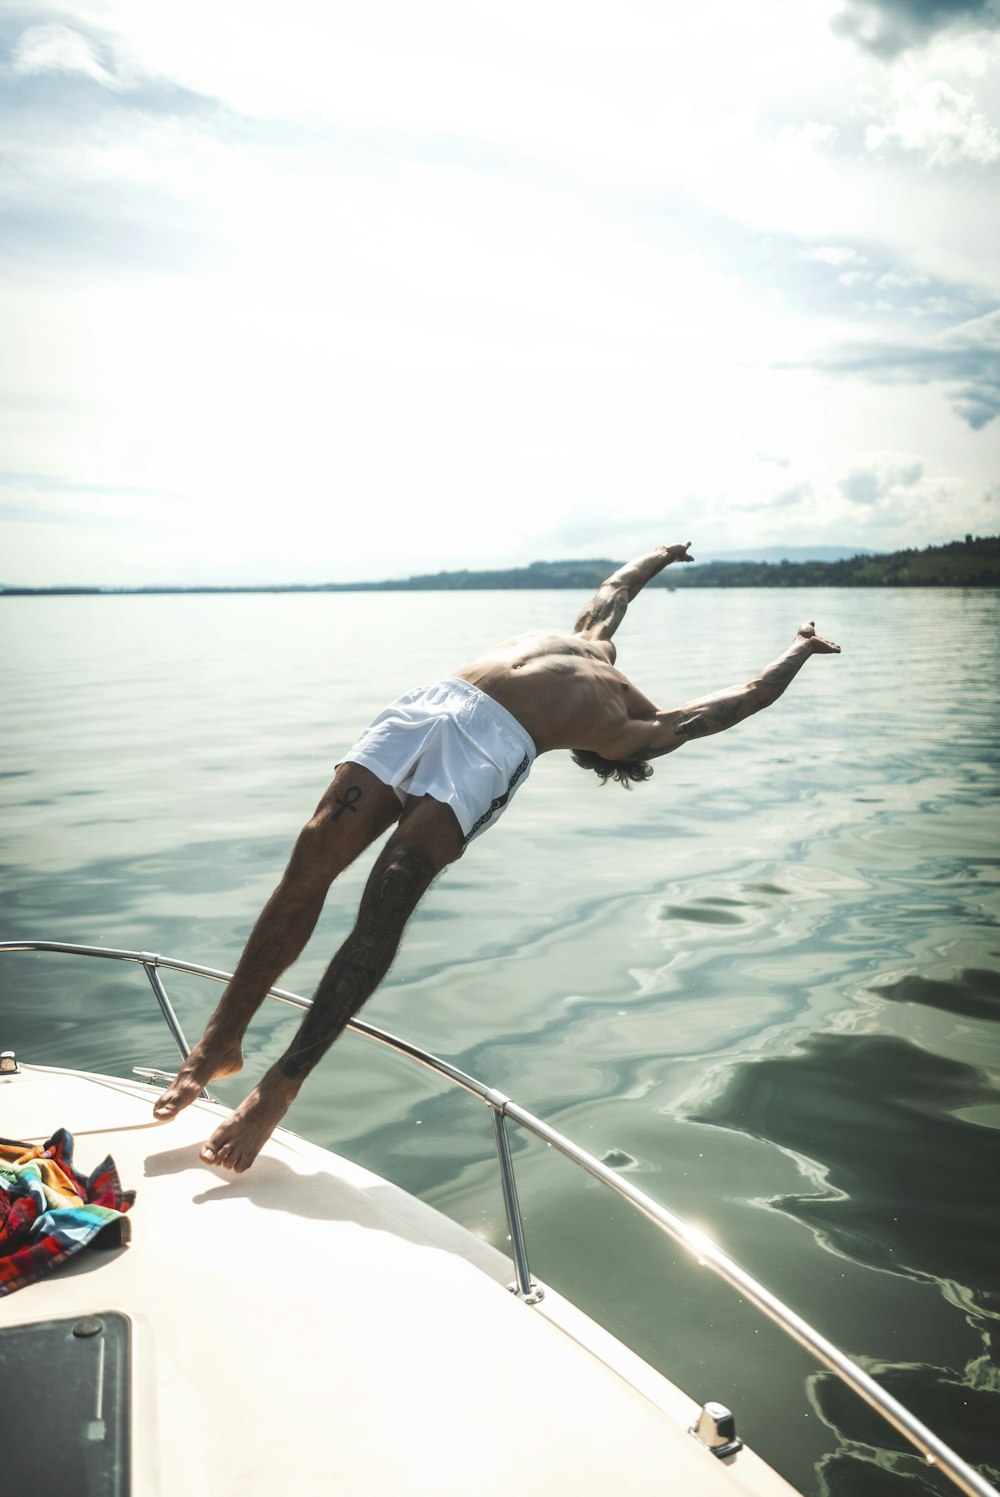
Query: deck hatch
[[65, 1385]]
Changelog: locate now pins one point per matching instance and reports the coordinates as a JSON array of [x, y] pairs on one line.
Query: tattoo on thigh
[[347, 802]]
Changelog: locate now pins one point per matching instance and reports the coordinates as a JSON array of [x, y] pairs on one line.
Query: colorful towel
[[48, 1210]]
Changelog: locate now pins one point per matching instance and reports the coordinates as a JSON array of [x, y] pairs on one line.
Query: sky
[[326, 292]]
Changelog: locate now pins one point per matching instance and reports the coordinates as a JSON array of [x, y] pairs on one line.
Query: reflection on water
[[907, 1185], [974, 992], [766, 983], [941, 1398]]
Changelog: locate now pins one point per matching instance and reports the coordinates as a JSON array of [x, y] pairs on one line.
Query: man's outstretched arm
[[606, 609], [723, 709]]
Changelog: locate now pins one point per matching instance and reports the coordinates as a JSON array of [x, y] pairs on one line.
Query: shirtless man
[[442, 764]]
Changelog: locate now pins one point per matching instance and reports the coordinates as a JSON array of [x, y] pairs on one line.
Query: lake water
[[766, 982]]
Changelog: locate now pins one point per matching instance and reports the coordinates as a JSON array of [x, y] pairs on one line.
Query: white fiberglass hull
[[309, 1327]]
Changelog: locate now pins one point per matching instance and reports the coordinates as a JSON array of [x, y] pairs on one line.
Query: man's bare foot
[[817, 645], [236, 1143], [204, 1064]]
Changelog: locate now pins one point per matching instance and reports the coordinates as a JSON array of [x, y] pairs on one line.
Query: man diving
[[441, 765]]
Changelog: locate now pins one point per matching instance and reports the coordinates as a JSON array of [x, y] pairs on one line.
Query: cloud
[[837, 255], [790, 498], [966, 359], [891, 499], [41, 499], [793, 497], [938, 122], [863, 280], [861, 486], [879, 481], [55, 48], [882, 499], [888, 27]]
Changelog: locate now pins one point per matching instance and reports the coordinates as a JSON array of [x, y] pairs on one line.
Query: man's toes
[[169, 1102], [216, 1149], [178, 1095]]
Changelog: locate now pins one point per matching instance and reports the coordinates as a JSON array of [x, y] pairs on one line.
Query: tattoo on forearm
[[714, 717], [741, 702], [609, 607]]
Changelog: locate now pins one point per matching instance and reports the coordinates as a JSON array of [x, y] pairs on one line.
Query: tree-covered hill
[[974, 562]]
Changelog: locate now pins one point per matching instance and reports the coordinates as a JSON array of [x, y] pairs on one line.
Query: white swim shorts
[[453, 742]]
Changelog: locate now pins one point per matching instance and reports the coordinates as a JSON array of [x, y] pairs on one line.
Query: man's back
[[563, 689]]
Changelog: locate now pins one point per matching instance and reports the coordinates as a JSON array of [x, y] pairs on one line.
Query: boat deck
[[307, 1326]]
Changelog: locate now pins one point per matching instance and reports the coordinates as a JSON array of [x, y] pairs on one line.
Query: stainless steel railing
[[934, 1451]]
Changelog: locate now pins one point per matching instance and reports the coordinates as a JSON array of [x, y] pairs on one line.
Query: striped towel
[[48, 1210]]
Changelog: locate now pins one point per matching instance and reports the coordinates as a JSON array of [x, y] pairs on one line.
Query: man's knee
[[402, 874], [313, 858]]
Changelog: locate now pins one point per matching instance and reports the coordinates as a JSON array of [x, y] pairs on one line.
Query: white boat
[[308, 1327]]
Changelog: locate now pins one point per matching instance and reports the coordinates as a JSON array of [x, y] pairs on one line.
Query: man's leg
[[355, 810], [427, 839], [712, 714]]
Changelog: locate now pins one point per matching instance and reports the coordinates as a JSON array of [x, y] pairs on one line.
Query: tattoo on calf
[[396, 883], [344, 988]]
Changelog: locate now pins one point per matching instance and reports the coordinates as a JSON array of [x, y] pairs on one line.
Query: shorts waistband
[[490, 708]]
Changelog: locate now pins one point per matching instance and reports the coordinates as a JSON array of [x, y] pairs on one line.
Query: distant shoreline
[[974, 562]]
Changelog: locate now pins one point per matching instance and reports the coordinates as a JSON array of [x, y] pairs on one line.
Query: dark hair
[[626, 771]]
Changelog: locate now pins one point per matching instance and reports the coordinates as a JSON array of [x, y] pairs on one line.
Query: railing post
[[167, 1009], [524, 1285]]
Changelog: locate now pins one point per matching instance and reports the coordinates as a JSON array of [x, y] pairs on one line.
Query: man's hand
[[678, 552]]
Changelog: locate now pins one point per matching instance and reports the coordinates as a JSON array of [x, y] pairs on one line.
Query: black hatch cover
[[64, 1390]]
